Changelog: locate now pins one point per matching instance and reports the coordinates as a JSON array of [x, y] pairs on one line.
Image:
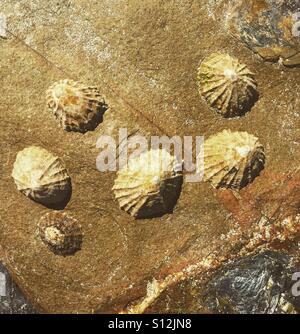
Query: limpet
[[227, 85], [232, 159], [150, 185], [60, 232], [76, 106], [41, 176]]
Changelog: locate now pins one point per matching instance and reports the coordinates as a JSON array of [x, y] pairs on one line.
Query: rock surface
[[12, 301], [269, 28], [257, 284], [143, 56]]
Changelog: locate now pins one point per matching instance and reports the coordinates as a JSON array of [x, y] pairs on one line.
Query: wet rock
[[256, 284], [274, 196], [12, 301], [269, 28]]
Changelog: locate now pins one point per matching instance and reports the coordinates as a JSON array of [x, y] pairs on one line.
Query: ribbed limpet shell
[[77, 107], [60, 232], [227, 85], [232, 159], [150, 185], [41, 176]]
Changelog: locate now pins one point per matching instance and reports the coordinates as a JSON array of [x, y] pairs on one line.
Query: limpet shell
[[150, 185], [232, 159], [41, 176], [227, 85], [60, 232], [77, 107]]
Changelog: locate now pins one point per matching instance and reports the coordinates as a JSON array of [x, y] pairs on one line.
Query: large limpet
[[41, 176], [150, 185], [227, 85], [232, 159], [60, 232], [268, 27], [76, 106]]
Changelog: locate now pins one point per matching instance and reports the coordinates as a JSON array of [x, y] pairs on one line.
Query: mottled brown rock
[[143, 56], [274, 196]]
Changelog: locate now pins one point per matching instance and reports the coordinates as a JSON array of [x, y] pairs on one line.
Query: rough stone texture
[[143, 55], [257, 284], [12, 301], [268, 27]]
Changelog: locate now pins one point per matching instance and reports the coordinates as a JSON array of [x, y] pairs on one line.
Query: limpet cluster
[[77, 107], [232, 159], [149, 185], [60, 232], [227, 85], [41, 176]]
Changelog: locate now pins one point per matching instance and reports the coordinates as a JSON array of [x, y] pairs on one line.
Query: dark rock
[[268, 28], [256, 284], [12, 301]]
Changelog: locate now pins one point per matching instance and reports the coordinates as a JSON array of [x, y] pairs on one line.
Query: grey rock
[[256, 284], [12, 301]]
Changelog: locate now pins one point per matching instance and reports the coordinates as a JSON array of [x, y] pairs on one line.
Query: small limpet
[[150, 185], [232, 159], [60, 232], [227, 85], [41, 176], [77, 107]]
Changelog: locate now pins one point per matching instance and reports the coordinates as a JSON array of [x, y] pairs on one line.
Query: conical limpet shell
[[150, 185], [227, 85], [232, 159], [76, 106], [60, 232], [41, 176]]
